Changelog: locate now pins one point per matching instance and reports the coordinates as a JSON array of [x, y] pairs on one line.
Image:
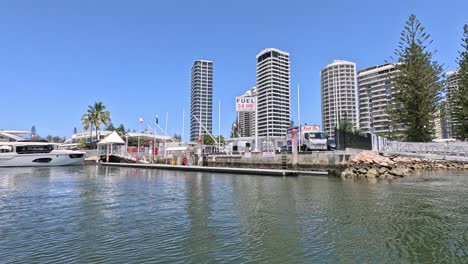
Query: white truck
[[309, 137]]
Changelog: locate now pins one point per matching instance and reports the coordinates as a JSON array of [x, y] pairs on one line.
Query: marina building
[[375, 93], [273, 91], [201, 99], [338, 95]]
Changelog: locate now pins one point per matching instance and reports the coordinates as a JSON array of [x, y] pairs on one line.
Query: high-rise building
[[274, 93], [338, 95], [443, 118], [375, 93], [201, 99], [452, 86], [437, 121], [247, 119]]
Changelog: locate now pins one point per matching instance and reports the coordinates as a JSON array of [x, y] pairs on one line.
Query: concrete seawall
[[333, 162], [279, 164]]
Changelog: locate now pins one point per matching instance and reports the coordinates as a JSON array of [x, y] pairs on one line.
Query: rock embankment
[[368, 164]]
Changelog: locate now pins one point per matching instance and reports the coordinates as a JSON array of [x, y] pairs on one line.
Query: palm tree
[[87, 121], [96, 116]]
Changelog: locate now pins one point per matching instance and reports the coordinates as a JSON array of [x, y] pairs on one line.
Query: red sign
[[311, 128]]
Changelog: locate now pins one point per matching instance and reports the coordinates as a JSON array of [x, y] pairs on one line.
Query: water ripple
[[115, 215]]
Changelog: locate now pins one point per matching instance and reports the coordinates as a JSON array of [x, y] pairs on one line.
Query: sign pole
[[238, 132], [256, 125]]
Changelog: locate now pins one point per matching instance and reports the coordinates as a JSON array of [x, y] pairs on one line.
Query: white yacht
[[18, 152]]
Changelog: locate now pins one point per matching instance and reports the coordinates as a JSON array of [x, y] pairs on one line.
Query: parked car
[[331, 144]]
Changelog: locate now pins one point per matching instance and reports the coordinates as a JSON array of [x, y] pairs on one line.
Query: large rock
[[383, 170], [362, 170], [372, 173], [348, 173], [399, 171]]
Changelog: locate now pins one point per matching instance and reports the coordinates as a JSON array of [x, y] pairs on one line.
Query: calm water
[[120, 215]]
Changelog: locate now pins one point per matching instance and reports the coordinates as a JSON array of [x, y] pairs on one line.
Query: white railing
[[458, 149], [445, 149]]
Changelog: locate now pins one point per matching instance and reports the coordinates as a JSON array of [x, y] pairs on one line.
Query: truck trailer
[[309, 137]]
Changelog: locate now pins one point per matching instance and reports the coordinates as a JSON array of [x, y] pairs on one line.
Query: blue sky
[[58, 57]]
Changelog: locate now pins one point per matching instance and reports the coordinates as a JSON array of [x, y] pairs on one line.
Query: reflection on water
[[126, 215]]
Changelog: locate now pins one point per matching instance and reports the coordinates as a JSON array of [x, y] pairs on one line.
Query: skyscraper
[[375, 92], [444, 118], [338, 95], [273, 91], [451, 87], [201, 99], [247, 119]]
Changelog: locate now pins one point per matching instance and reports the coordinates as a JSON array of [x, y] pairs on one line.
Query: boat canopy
[[4, 136]]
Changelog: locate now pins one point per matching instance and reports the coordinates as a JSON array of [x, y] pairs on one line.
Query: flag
[[140, 121], [156, 119]]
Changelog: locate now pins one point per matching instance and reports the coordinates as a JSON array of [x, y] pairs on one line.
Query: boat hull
[[54, 158]]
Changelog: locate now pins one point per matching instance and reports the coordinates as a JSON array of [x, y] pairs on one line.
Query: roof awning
[[113, 138]]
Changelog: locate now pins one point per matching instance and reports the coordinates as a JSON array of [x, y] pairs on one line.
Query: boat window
[[42, 160], [31, 149], [76, 156], [6, 149]]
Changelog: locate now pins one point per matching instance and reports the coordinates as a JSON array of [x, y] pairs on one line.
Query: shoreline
[[364, 164], [369, 164]]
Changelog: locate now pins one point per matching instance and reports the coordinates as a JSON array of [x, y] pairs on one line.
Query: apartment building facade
[[338, 95], [452, 86], [375, 93], [273, 93], [201, 99]]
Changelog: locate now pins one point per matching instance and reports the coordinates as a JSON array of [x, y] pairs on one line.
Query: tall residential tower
[[375, 92], [201, 99], [273, 91], [452, 84], [338, 95]]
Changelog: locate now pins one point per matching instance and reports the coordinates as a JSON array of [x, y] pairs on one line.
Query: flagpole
[[165, 146], [219, 123], [183, 124], [139, 137], [167, 116], [299, 113], [154, 132]]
